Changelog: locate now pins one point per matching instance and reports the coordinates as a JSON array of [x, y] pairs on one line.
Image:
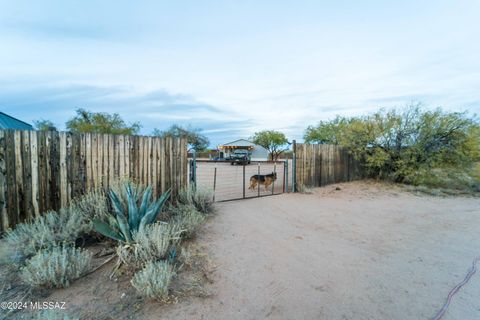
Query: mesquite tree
[[273, 141]]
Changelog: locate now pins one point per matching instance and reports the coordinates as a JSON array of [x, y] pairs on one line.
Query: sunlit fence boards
[[41, 171], [322, 164]]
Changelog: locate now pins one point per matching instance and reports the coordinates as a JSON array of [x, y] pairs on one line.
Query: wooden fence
[[41, 171], [321, 164]]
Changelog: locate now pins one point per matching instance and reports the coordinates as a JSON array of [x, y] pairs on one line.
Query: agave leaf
[[137, 191], [116, 203], [121, 219], [144, 203], [123, 226], [106, 230], [112, 221], [155, 208], [133, 214]]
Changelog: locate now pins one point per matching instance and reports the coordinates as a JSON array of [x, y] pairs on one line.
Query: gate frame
[[284, 189], [294, 166]]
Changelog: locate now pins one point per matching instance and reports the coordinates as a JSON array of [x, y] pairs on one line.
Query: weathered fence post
[[294, 166], [244, 181], [258, 179], [214, 182], [193, 168], [274, 172], [285, 177]]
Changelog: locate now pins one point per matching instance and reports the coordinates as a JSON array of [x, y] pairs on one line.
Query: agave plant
[[132, 215]]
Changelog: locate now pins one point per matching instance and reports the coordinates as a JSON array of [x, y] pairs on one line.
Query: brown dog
[[265, 179]]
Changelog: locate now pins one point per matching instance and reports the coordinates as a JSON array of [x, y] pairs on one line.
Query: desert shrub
[[150, 244], [187, 218], [200, 198], [397, 144], [64, 226], [93, 205], [134, 210], [444, 178], [153, 281], [50, 229], [56, 267]]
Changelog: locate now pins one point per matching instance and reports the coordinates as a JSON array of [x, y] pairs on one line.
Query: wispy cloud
[[236, 67], [158, 109]]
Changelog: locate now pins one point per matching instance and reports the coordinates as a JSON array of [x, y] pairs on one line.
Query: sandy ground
[[362, 252]]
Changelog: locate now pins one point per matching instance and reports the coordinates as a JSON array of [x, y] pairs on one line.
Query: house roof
[[240, 143], [9, 122]]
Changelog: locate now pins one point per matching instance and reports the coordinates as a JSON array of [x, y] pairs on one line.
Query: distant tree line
[[100, 122], [195, 139]]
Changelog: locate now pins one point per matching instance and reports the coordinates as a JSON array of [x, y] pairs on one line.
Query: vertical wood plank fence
[[322, 164], [41, 171]]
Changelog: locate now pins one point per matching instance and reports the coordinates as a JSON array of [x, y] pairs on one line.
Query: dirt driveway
[[362, 252]]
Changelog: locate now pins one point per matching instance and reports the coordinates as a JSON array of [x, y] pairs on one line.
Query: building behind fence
[[321, 164], [41, 171]]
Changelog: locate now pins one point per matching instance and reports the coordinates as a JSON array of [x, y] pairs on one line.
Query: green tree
[[273, 141], [99, 122], [195, 139], [399, 144], [326, 132], [44, 125]]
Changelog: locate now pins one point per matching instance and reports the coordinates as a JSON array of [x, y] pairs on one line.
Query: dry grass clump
[[446, 180], [197, 269], [200, 198], [56, 267], [64, 226], [93, 205], [150, 244], [57, 227], [154, 280], [187, 218]]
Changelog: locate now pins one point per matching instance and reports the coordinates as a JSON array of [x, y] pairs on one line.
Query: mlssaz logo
[[37, 305]]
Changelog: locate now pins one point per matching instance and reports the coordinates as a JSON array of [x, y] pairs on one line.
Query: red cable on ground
[[470, 273]]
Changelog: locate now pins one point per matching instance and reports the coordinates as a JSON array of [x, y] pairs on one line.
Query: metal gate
[[234, 182]]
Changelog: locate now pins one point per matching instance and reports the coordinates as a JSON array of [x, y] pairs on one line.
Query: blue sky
[[236, 67]]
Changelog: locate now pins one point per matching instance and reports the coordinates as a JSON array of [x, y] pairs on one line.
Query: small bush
[[151, 244], [54, 228], [56, 267], [154, 280], [200, 198], [444, 178], [48, 230], [93, 205], [187, 218]]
